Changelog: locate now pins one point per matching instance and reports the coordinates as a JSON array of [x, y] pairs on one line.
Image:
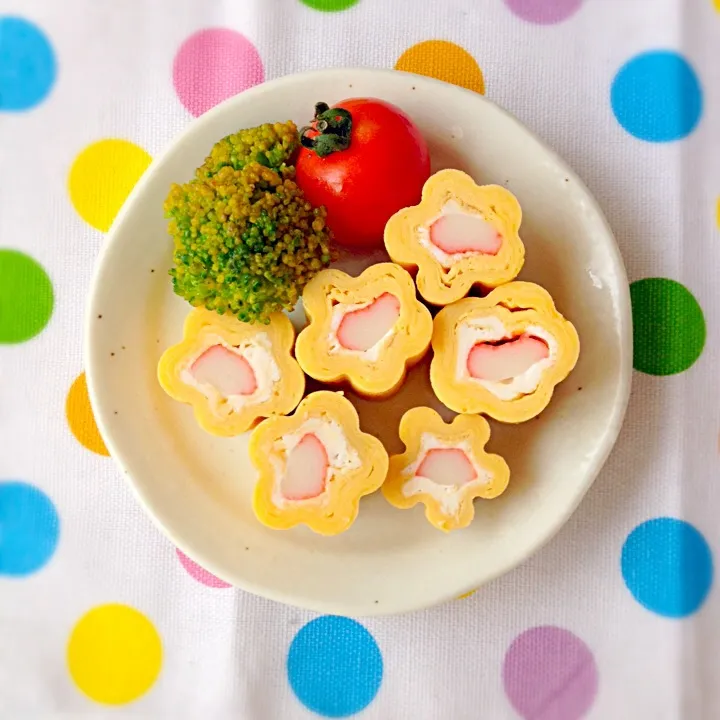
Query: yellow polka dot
[[102, 177], [717, 5], [443, 60], [467, 595], [81, 419], [114, 654]]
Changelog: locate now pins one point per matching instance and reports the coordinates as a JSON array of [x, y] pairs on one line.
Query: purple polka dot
[[550, 674], [544, 12], [201, 574], [213, 65]]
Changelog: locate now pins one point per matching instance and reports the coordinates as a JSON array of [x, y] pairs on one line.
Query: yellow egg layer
[[202, 330], [336, 508], [518, 307], [469, 432], [494, 204], [369, 376]]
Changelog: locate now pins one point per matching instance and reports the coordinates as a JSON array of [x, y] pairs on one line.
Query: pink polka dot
[[213, 65], [200, 574], [544, 12]]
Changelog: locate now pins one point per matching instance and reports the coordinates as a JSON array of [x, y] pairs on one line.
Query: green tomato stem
[[332, 131]]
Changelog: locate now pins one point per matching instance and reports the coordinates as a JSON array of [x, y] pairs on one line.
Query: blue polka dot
[[334, 666], [27, 65], [657, 97], [667, 566], [29, 528]]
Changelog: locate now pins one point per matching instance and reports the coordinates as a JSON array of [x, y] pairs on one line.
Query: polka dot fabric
[[28, 67], [26, 296], [444, 61], [102, 176], [334, 666], [30, 529], [550, 674], [544, 12], [212, 65], [656, 96], [617, 617], [80, 418], [114, 654]]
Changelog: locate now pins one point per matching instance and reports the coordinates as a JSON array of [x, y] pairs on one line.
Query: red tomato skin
[[382, 171]]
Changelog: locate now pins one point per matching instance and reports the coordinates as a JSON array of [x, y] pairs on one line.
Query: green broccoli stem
[[331, 131]]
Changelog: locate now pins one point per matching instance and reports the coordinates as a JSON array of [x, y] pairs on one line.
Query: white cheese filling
[[448, 496], [339, 311], [258, 353], [491, 329], [341, 455], [446, 260]]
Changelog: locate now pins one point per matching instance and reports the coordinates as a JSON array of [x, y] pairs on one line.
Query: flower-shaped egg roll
[[445, 467], [503, 354], [367, 330], [233, 373], [315, 465], [460, 235]]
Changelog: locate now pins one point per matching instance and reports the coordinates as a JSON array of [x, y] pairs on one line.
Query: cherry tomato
[[364, 160]]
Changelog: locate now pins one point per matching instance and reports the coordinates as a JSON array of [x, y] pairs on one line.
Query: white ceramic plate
[[198, 487]]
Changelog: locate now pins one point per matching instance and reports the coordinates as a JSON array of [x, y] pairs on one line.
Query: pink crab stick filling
[[497, 362], [364, 328], [228, 372], [447, 466], [456, 233], [305, 470]]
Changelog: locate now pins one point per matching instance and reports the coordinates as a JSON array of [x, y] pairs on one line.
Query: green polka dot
[[668, 326], [26, 297], [330, 5]]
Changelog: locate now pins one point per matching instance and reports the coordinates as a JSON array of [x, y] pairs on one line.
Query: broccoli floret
[[246, 240], [271, 145]]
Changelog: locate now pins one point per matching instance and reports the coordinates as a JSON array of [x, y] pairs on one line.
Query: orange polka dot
[[81, 419], [445, 61], [467, 595]]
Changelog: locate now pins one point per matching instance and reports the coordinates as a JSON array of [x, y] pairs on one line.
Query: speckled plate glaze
[[198, 487]]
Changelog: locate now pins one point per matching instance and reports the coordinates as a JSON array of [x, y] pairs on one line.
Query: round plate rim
[[318, 605]]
